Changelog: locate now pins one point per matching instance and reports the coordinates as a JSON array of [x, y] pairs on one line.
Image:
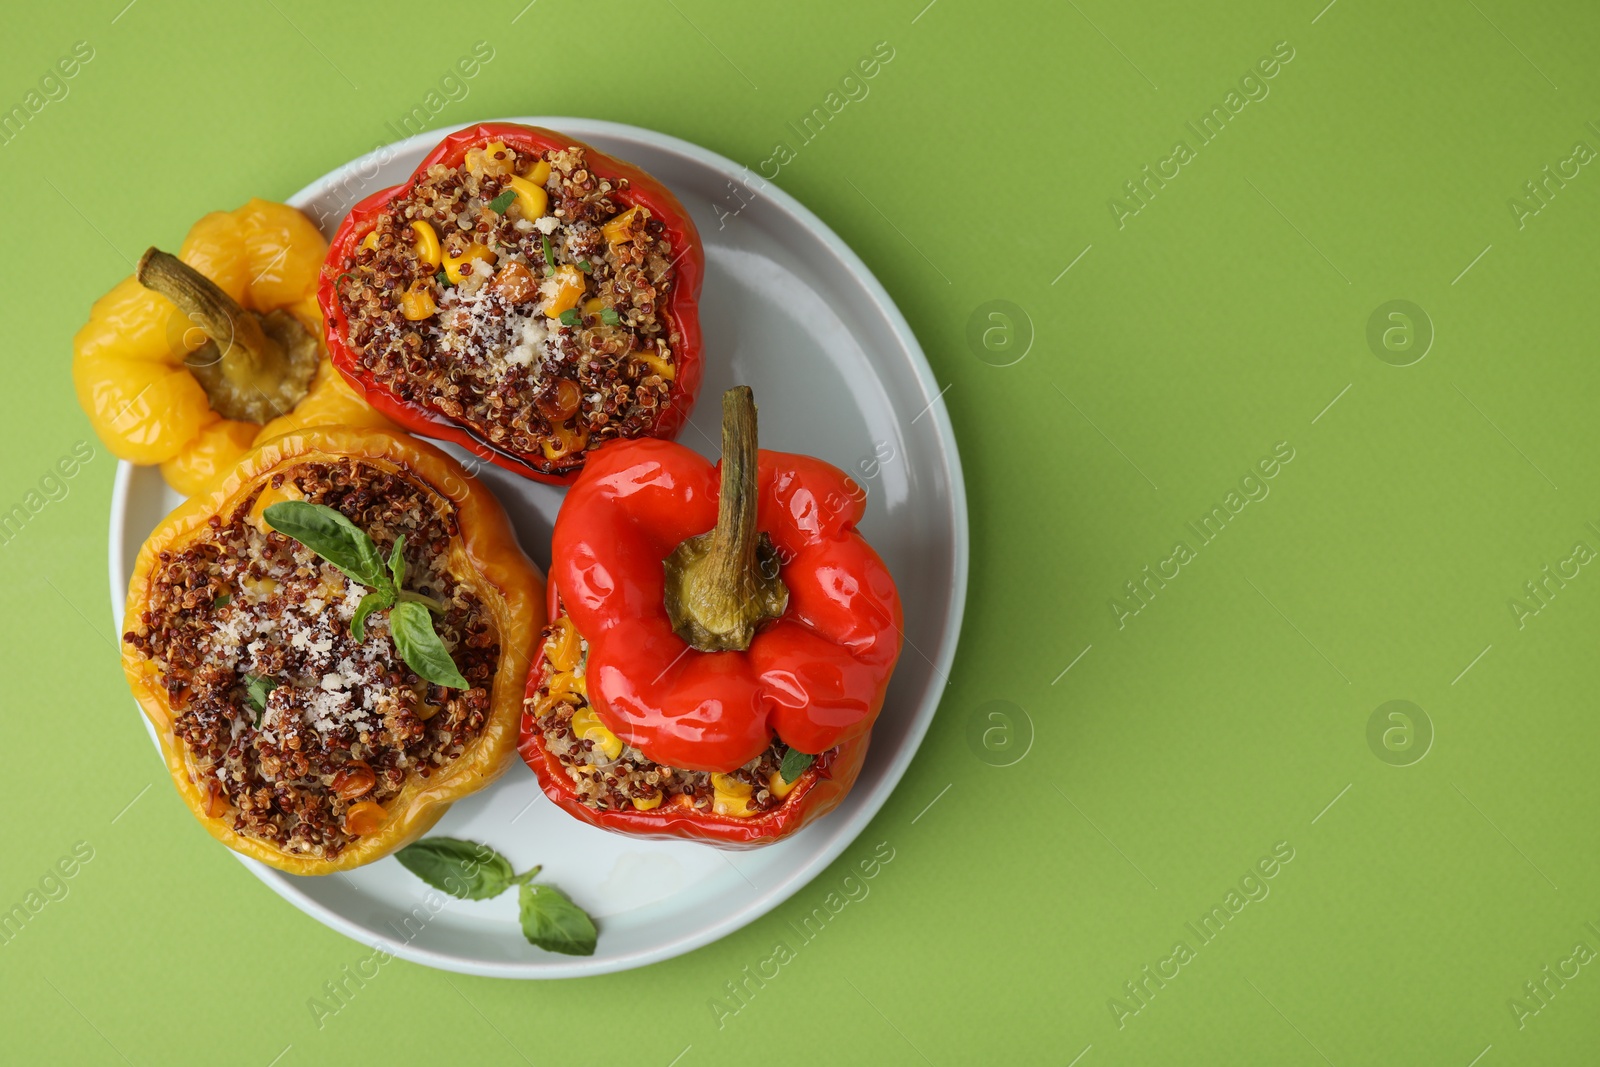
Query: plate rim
[[846, 835]]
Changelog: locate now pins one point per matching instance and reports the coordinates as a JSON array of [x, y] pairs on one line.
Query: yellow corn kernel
[[370, 241], [564, 647], [456, 268], [649, 803], [561, 684], [780, 788], [729, 804], [270, 496], [259, 586], [531, 197], [569, 290], [620, 228], [417, 303], [427, 244], [566, 442], [492, 158], [587, 725], [661, 366], [727, 783], [540, 173]]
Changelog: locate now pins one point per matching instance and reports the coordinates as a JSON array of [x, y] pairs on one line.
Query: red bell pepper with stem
[[681, 305], [723, 607]]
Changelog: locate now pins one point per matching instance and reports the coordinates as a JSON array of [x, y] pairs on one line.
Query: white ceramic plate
[[789, 310]]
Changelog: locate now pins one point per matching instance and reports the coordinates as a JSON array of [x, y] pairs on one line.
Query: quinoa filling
[[296, 733], [515, 295], [609, 774]]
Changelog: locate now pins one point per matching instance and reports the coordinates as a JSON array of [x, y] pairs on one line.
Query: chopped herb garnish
[[583, 265], [609, 316], [549, 253], [502, 202], [256, 689], [571, 317], [443, 279], [222, 601], [794, 764]]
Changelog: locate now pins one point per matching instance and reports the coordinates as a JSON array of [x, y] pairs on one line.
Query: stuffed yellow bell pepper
[[331, 643], [202, 355]]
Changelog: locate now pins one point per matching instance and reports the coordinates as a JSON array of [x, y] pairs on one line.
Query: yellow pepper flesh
[[128, 359]]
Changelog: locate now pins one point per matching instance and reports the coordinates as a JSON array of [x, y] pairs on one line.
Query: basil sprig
[[794, 765], [327, 532], [469, 870]]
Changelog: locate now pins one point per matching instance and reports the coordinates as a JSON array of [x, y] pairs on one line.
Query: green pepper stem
[[261, 366], [723, 584], [237, 332]]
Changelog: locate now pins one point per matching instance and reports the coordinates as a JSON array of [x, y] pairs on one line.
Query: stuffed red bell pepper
[[721, 640], [523, 295]]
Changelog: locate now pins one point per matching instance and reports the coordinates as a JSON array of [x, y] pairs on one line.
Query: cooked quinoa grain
[[343, 723], [543, 334]]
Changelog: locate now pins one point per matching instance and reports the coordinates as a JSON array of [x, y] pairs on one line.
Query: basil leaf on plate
[[794, 765], [553, 922], [464, 869], [415, 640], [502, 203], [329, 534]]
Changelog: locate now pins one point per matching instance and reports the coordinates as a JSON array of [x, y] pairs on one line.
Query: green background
[[1228, 715]]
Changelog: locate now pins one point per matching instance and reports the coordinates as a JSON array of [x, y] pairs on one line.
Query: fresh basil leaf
[[374, 601], [585, 266], [397, 562], [464, 869], [549, 253], [794, 765], [571, 317], [330, 535], [609, 316], [503, 202], [554, 923], [256, 689], [222, 601], [414, 638]]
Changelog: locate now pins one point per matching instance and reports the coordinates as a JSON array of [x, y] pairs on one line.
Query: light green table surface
[[1177, 341]]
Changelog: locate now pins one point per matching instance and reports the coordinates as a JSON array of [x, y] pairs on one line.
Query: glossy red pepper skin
[[682, 305], [816, 676]]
